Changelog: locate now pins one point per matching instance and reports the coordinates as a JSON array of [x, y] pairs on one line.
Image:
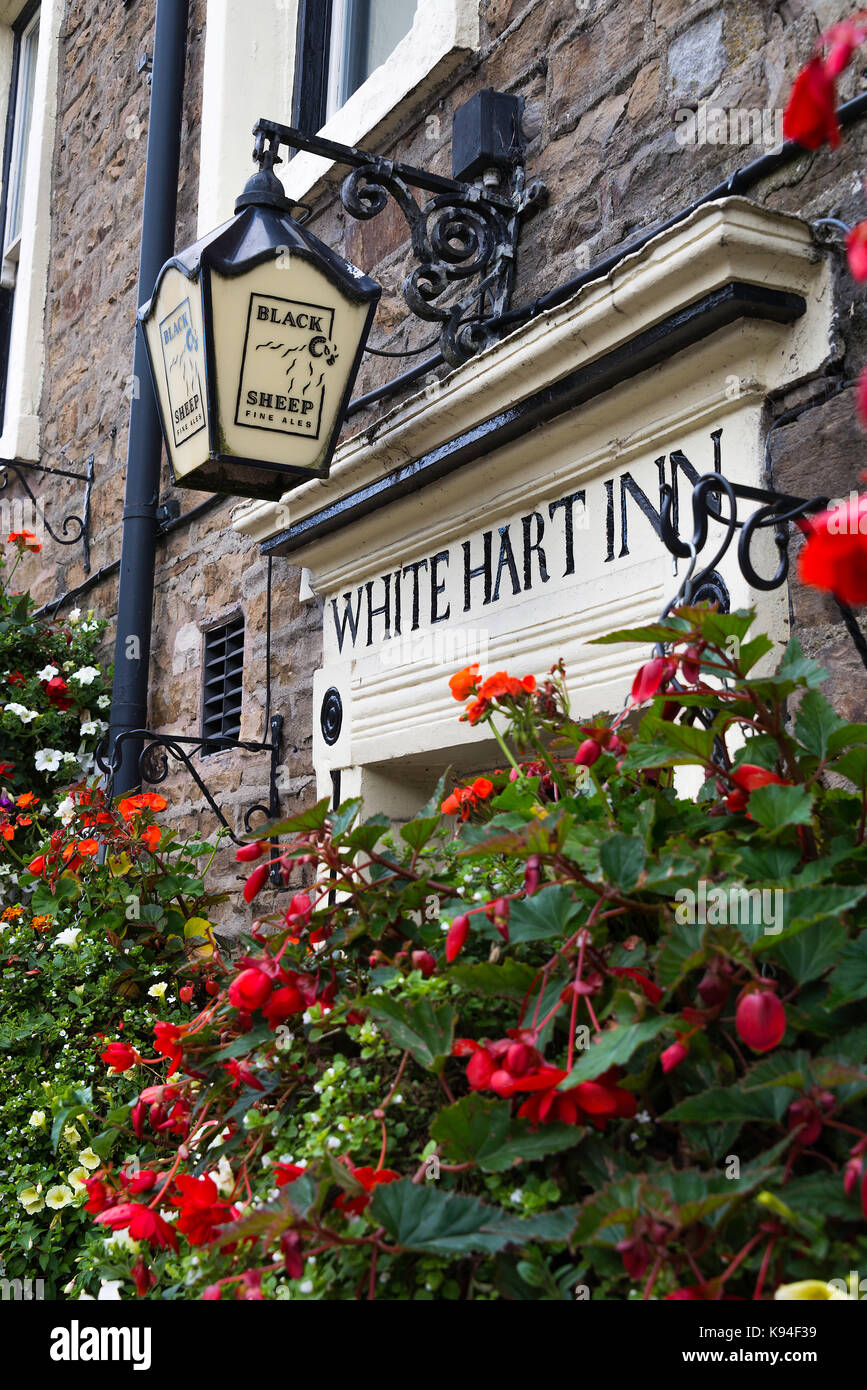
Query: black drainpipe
[[135, 593]]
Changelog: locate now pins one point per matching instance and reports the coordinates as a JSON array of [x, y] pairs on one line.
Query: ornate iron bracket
[[464, 236], [771, 510], [158, 748], [79, 525]]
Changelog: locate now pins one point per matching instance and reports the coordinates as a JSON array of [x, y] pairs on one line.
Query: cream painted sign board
[[530, 550]]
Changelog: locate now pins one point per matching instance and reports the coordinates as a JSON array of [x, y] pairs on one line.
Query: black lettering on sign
[[348, 617], [384, 608], [534, 547], [413, 569], [484, 569], [506, 560], [629, 486], [609, 519], [567, 504], [437, 586]]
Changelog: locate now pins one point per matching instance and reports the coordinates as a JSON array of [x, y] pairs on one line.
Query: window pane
[[364, 33], [21, 132]]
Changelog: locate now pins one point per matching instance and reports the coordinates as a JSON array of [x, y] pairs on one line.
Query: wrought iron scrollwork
[[464, 235], [154, 765], [715, 500], [73, 528]]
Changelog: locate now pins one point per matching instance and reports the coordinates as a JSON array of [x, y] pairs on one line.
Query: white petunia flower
[[58, 1197], [85, 675], [47, 759], [93, 726], [66, 810], [68, 937], [48, 673], [24, 714], [103, 702], [74, 615]]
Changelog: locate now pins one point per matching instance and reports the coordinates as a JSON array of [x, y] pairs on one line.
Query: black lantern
[[254, 336]]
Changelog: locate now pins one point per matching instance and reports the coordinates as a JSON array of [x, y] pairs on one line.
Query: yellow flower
[[89, 1158], [37, 1119], [71, 1135], [158, 991], [812, 1290], [77, 1178], [31, 1200], [58, 1197]]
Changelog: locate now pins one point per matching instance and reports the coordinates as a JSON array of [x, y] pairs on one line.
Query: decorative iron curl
[[456, 237], [73, 528], [154, 766], [775, 510]]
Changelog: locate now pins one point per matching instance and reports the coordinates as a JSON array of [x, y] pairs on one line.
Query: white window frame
[[25, 362], [28, 57], [249, 67]]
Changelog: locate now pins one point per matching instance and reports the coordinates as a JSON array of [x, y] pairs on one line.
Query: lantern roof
[[261, 229]]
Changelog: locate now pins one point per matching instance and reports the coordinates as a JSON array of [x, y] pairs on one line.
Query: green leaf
[[417, 832], [483, 1132], [345, 815], [812, 951], [682, 950], [800, 669], [731, 1103], [313, 818], [432, 1221], [777, 807], [853, 766], [621, 858], [511, 979], [549, 913], [816, 722], [662, 743], [424, 1029], [615, 1049], [849, 980]]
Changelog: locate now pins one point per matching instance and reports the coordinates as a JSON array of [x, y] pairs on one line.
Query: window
[[18, 128], [19, 119], [222, 683], [340, 43]]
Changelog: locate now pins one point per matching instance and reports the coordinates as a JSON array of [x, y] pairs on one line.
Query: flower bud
[[456, 937], [760, 1019], [587, 753], [424, 961]]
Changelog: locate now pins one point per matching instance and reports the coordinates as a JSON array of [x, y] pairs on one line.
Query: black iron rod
[[357, 159], [144, 450]]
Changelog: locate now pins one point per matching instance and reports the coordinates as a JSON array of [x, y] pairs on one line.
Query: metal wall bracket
[[770, 509], [155, 750], [464, 236], [154, 766], [79, 525]]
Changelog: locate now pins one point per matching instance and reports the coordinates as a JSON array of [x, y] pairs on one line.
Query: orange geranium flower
[[131, 806], [463, 799], [26, 540], [151, 836], [499, 685], [8, 832], [27, 799], [465, 682], [88, 848]]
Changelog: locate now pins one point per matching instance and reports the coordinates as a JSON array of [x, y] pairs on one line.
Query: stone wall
[[602, 84]]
